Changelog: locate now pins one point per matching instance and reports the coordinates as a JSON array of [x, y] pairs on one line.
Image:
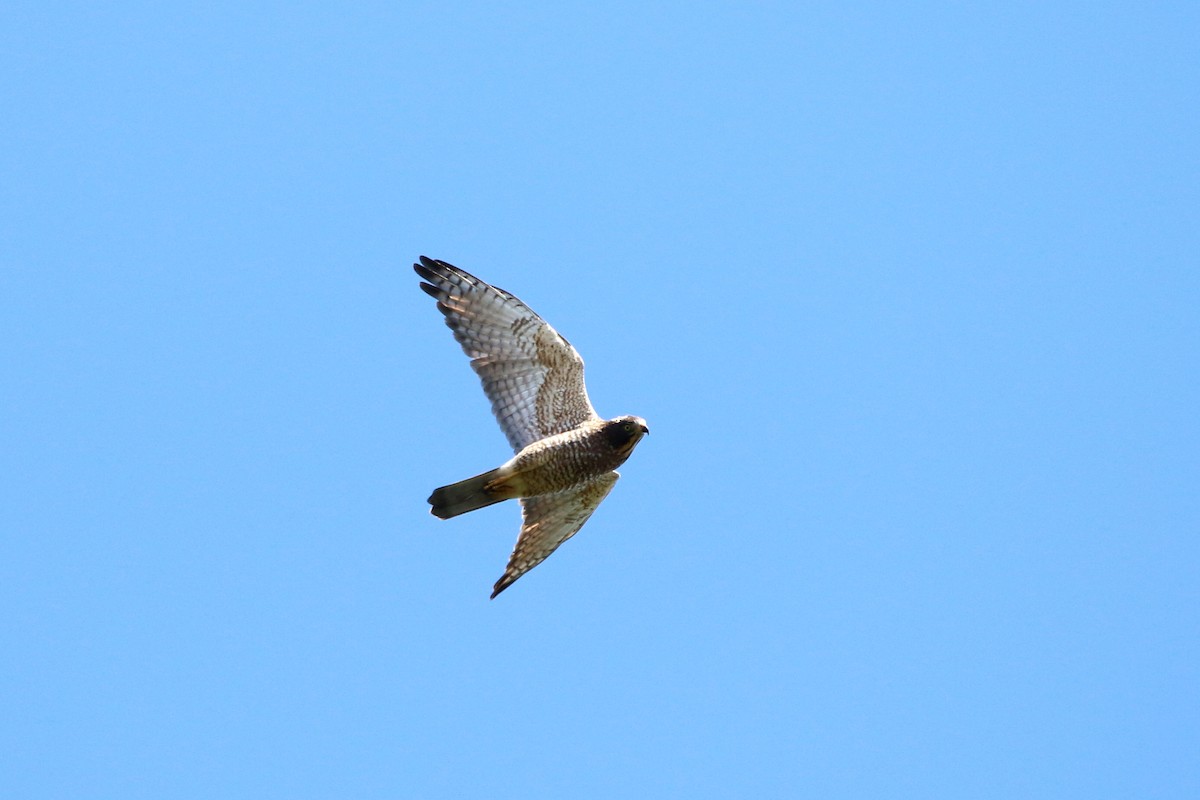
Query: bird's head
[[625, 432]]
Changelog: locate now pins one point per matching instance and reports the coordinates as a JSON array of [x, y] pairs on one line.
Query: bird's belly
[[561, 469]]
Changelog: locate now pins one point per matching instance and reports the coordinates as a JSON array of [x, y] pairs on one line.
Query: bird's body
[[566, 455], [566, 460]]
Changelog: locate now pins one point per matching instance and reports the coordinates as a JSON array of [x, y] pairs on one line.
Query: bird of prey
[[566, 455]]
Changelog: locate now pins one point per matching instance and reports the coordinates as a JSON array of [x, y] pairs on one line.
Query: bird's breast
[[564, 461]]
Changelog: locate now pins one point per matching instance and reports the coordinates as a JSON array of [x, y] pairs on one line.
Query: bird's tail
[[459, 498]]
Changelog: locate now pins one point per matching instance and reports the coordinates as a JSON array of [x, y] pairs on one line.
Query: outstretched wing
[[532, 375], [550, 520]]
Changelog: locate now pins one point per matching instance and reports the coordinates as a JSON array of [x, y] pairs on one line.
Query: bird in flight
[[566, 455]]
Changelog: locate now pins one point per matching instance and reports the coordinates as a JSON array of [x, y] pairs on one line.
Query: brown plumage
[[566, 455]]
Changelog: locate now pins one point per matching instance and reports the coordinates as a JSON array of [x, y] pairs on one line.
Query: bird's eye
[[629, 427]]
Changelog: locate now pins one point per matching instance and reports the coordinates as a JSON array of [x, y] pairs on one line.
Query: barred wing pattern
[[531, 374], [549, 520]]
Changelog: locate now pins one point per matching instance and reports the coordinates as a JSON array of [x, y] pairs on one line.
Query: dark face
[[623, 432]]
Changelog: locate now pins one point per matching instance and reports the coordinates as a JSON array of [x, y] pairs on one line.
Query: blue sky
[[909, 295]]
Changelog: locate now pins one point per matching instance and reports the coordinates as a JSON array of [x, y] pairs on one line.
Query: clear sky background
[[908, 293]]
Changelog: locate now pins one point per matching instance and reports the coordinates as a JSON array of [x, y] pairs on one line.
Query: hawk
[[566, 455]]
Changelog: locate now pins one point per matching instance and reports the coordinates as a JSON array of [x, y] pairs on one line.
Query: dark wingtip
[[501, 585], [431, 269], [425, 272]]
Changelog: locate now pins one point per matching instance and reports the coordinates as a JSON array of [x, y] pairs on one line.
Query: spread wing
[[532, 375], [549, 520]]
